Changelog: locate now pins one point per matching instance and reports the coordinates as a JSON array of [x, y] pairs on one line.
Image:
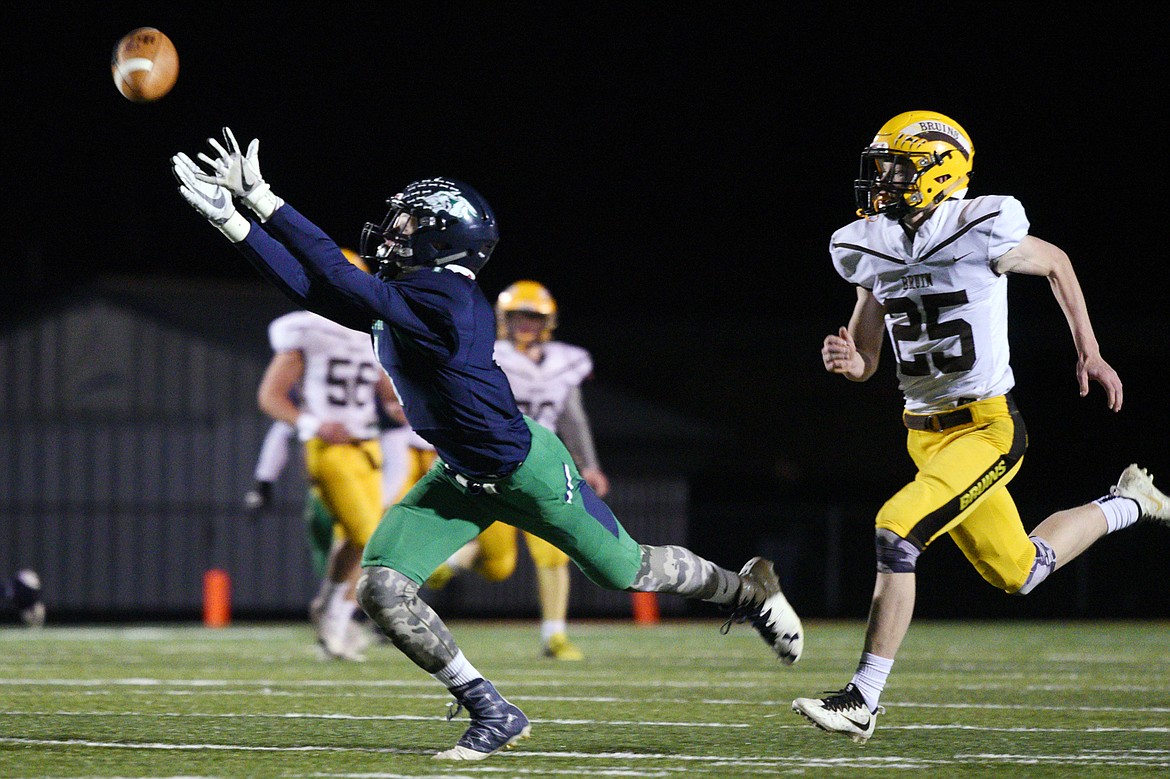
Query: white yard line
[[569, 722], [1119, 758]]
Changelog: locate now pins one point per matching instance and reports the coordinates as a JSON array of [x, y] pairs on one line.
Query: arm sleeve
[[277, 262], [573, 428], [334, 281], [274, 452]]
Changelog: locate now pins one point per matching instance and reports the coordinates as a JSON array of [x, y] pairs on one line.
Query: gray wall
[[126, 445]]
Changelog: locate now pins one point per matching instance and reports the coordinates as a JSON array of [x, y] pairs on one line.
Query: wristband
[[262, 202], [307, 426], [236, 228]]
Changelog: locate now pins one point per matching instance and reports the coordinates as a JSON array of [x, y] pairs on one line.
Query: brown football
[[145, 65]]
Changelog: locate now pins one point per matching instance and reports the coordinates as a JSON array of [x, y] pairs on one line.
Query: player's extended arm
[[269, 465], [214, 202], [854, 351], [284, 371], [338, 290], [574, 430], [235, 175], [1036, 257]]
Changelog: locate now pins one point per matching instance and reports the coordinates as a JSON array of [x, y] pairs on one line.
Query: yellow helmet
[[917, 160], [355, 259], [531, 297]]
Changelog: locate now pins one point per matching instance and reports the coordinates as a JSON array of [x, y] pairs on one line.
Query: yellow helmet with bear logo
[[917, 160]]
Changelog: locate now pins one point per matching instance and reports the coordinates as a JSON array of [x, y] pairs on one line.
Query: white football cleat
[[342, 638], [1138, 485], [843, 711], [761, 602]]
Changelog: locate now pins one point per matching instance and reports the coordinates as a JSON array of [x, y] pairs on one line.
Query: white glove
[[240, 173], [211, 200]]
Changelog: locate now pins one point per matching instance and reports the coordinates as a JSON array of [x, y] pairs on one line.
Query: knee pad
[[894, 553], [1044, 564]]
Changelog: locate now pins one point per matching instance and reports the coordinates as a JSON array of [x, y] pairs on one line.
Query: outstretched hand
[[1096, 369], [237, 171], [210, 199]]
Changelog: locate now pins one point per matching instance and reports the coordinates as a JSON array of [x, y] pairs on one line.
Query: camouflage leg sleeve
[[680, 571], [391, 600]]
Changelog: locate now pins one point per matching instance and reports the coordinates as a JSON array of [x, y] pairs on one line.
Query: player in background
[[405, 457], [399, 462], [433, 331], [22, 592], [320, 532], [546, 378], [336, 375], [931, 268]]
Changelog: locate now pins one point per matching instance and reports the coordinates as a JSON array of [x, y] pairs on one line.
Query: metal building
[[128, 435]]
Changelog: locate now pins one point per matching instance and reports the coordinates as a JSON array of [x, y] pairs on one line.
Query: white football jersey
[[341, 371], [946, 309], [542, 388]]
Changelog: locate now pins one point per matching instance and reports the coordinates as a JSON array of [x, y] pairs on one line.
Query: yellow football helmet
[[531, 297], [917, 160]]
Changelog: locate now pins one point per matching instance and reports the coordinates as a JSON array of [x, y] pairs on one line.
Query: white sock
[[550, 627], [1119, 512], [340, 607], [870, 678], [457, 672]]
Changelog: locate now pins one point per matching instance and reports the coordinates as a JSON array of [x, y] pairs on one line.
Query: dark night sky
[[670, 172]]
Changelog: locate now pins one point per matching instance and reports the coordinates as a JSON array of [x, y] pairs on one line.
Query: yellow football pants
[[497, 552], [349, 478], [961, 489]]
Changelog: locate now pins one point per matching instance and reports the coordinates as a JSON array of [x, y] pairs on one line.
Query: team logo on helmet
[[451, 202], [930, 130], [917, 160]]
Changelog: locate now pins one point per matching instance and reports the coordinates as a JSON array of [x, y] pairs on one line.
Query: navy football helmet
[[432, 222]]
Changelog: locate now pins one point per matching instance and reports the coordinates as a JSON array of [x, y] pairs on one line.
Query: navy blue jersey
[[434, 332]]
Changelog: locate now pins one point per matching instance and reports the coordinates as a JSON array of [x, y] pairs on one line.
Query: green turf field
[[1001, 699]]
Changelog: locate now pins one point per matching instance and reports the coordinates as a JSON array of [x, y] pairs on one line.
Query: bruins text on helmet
[[529, 297], [917, 160], [432, 222]]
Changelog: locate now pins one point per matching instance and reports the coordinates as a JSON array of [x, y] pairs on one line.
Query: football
[[145, 65]]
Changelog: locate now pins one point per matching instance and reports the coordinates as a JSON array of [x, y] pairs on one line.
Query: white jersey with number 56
[[341, 371], [946, 309]]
